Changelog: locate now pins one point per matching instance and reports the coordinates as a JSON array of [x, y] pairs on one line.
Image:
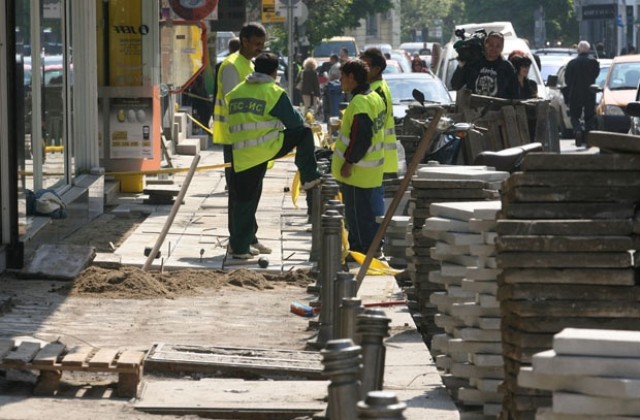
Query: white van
[[448, 59]]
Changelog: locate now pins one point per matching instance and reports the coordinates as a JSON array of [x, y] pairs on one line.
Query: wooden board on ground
[[614, 141], [234, 398], [58, 261], [254, 361]]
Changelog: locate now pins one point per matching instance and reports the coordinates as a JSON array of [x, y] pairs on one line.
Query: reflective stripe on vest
[[390, 149], [244, 68], [367, 172], [256, 136]]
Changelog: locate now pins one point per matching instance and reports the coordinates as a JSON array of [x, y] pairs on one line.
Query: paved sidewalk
[[197, 239]]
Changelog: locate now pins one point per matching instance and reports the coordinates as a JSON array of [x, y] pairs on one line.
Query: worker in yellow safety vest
[[377, 63], [233, 70], [358, 158], [263, 126]]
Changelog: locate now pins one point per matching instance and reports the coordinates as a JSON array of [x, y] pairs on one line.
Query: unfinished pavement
[[201, 225]]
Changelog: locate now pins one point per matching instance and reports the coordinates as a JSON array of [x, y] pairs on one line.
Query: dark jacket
[[581, 73], [527, 91], [489, 78]]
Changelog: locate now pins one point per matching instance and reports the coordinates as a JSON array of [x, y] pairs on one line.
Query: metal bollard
[[341, 360], [345, 286], [329, 266], [349, 310], [372, 326], [381, 405]]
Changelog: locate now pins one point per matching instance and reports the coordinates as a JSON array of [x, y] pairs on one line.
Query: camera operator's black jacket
[[489, 78]]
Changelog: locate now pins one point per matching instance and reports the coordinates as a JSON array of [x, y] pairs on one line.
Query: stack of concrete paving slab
[[395, 241], [593, 374], [470, 359], [566, 244], [439, 183]]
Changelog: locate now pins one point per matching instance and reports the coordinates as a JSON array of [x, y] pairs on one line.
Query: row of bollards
[[351, 338]]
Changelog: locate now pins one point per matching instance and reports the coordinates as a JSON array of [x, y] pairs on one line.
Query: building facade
[[614, 23]]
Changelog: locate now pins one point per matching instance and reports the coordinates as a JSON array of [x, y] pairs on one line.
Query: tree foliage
[[420, 14], [560, 21]]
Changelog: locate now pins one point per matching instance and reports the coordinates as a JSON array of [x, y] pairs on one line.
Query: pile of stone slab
[[468, 354], [592, 373], [567, 236], [395, 241], [436, 183]]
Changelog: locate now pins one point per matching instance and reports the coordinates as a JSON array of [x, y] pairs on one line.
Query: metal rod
[[172, 214]]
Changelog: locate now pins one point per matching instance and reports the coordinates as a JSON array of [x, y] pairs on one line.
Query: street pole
[[290, 54]]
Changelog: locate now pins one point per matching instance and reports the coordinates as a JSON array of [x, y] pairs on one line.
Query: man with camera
[[482, 69]]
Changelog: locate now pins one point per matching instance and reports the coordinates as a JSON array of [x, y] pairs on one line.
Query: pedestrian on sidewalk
[[581, 72], [358, 158], [263, 126], [374, 58], [233, 70]]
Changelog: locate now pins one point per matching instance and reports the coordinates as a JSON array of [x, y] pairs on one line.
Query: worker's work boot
[[259, 248]]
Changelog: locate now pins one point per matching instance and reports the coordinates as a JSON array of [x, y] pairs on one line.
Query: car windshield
[[624, 76], [432, 88], [326, 48], [602, 76]]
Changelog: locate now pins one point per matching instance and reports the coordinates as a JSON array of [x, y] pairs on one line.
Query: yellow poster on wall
[[126, 35]]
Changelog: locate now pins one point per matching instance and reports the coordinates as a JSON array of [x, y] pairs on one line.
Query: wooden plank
[[556, 243], [575, 227], [49, 354], [574, 178], [523, 124], [103, 358], [130, 359], [537, 161], [493, 136], [545, 276], [614, 141], [547, 210], [542, 124], [564, 260], [5, 347], [573, 193], [254, 399], [77, 356], [512, 134], [23, 354]]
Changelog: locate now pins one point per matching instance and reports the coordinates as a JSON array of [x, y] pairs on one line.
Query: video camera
[[470, 47]]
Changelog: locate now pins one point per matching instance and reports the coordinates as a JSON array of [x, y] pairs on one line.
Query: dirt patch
[[134, 283]]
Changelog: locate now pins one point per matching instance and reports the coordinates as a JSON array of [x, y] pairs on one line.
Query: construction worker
[[377, 63], [358, 158], [233, 70], [263, 126]]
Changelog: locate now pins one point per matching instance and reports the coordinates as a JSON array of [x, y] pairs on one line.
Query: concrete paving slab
[[56, 261], [593, 342], [549, 362], [569, 403], [591, 385]]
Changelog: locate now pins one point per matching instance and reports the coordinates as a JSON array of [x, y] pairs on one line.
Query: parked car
[[403, 58], [556, 100], [393, 67], [551, 63], [323, 51], [385, 48], [401, 86], [620, 88], [422, 48]]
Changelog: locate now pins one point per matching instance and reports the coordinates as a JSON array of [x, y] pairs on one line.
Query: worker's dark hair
[[234, 45], [376, 57], [334, 57], [252, 29], [358, 68], [266, 63]]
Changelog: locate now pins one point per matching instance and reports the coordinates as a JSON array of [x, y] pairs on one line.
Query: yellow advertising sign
[[126, 32], [269, 12]]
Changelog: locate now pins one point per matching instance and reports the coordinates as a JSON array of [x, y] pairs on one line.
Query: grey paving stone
[[595, 342]]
